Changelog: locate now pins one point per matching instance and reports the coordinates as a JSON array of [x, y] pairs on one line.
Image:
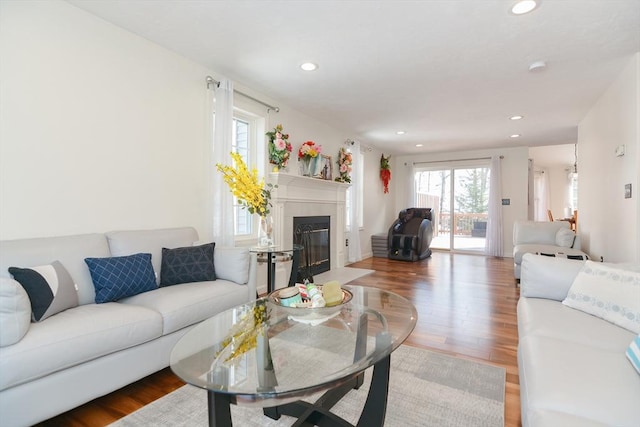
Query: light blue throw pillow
[[633, 353], [120, 277]]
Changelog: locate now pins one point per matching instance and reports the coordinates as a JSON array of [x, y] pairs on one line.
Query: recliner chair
[[410, 235]]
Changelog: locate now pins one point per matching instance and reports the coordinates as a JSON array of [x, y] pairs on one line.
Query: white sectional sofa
[[93, 349], [572, 365], [552, 238]]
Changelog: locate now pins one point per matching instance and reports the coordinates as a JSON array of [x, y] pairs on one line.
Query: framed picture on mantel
[[325, 171]]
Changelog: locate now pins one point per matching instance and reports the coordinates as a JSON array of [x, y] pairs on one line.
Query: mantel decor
[[308, 155], [385, 172], [252, 194], [279, 148], [344, 166], [326, 168]]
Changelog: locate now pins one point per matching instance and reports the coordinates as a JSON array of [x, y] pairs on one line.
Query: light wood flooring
[[466, 307]]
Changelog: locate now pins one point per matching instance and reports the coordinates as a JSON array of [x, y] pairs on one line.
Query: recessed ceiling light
[[515, 135], [524, 6], [309, 66], [418, 145], [516, 117], [400, 132]]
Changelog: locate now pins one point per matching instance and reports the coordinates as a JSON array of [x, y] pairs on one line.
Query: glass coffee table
[[274, 364]]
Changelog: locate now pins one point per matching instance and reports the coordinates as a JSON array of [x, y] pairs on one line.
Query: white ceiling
[[448, 72]]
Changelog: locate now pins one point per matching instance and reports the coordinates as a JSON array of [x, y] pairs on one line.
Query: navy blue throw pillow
[[119, 277], [188, 264]]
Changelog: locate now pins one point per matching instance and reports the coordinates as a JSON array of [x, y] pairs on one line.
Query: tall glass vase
[[265, 231], [309, 165]]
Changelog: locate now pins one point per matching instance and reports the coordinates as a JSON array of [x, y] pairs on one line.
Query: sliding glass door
[[459, 198]]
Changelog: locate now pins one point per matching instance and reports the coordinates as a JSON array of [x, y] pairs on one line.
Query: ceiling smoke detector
[[537, 66]]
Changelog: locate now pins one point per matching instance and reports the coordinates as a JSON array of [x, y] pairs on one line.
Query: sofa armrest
[[547, 277]]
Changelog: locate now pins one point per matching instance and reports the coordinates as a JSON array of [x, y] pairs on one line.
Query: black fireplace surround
[[313, 233]]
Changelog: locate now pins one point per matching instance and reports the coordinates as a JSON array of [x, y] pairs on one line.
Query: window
[[248, 130], [243, 224]]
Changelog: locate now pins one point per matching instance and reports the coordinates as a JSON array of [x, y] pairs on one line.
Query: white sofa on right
[[572, 363], [551, 238]]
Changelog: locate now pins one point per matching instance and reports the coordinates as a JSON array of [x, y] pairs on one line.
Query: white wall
[[101, 129], [514, 182], [609, 223]]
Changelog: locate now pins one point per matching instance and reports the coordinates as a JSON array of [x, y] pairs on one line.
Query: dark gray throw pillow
[[188, 264]]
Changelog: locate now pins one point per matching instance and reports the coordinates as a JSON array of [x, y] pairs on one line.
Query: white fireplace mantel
[[298, 195]]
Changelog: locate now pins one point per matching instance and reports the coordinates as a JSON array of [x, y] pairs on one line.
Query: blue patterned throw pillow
[[120, 277], [188, 264]]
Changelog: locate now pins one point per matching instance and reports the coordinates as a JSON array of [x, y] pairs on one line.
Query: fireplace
[[302, 196], [314, 234]]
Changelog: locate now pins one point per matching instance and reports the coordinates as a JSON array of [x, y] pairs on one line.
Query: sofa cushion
[[130, 242], [75, 336], [69, 250], [547, 277], [541, 317], [577, 380], [232, 264], [50, 288], [189, 303], [15, 312], [544, 233], [565, 238], [610, 293], [187, 264], [119, 277]]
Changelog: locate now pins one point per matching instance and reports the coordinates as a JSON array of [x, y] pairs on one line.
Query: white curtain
[[223, 232], [541, 200], [355, 253], [493, 242], [411, 187]]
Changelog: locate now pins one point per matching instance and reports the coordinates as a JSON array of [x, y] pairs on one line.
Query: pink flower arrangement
[[279, 147], [309, 150], [344, 165]]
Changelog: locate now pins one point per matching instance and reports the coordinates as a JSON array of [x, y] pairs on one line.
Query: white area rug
[[426, 389], [343, 275]]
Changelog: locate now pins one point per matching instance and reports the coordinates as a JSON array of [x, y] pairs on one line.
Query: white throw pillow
[[611, 293], [15, 312], [565, 238]]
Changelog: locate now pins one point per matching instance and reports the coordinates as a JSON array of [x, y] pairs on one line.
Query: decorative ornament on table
[[252, 194], [308, 155], [344, 165], [385, 172], [279, 148]]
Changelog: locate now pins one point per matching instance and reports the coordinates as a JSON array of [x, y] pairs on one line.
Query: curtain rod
[[214, 82], [456, 160], [350, 142]]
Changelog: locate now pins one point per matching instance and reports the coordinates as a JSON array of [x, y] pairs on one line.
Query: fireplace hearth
[[313, 233]]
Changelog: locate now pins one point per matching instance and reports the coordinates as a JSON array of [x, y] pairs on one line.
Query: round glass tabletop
[[261, 354]]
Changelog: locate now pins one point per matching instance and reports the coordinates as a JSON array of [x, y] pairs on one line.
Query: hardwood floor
[[466, 307]]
